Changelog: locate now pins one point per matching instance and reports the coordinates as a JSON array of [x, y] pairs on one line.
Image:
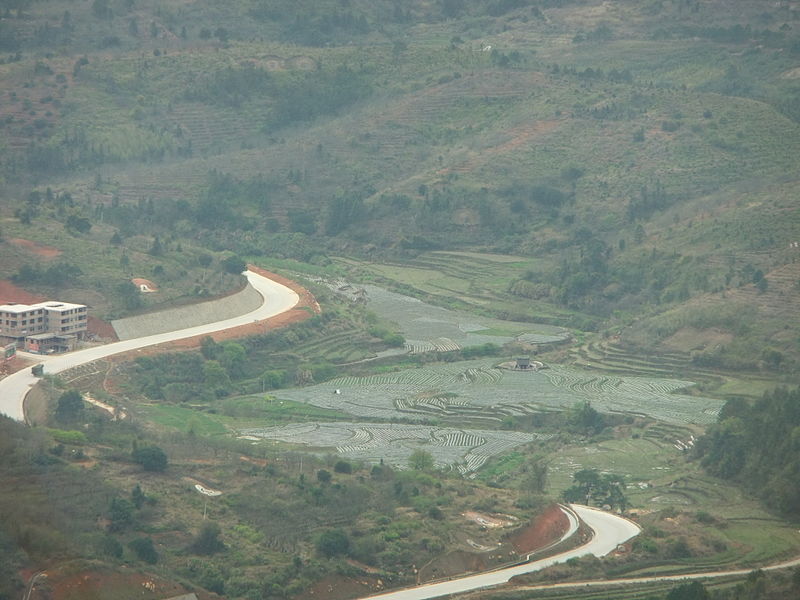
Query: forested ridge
[[758, 446]]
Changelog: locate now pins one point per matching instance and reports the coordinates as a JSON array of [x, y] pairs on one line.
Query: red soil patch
[[7, 367], [10, 293], [47, 252], [543, 530], [101, 330], [105, 585], [139, 282]]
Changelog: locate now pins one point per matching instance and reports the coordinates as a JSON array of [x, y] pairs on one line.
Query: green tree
[[323, 476], [120, 514], [208, 540], [342, 466], [128, 295], [590, 486], [209, 348], [333, 542], [688, 591], [151, 458], [137, 496], [343, 211], [233, 264], [273, 379], [216, 377], [233, 358], [585, 418], [70, 406], [535, 479], [144, 550], [79, 224], [421, 460], [110, 546], [205, 260]]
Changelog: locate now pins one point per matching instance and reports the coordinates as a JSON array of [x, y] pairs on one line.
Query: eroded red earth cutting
[[545, 529]]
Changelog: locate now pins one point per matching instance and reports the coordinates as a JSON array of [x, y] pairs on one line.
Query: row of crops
[[427, 323], [463, 449], [429, 328], [476, 389]]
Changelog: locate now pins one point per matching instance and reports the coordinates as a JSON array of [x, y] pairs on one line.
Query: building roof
[[18, 308], [50, 336], [49, 305], [60, 306]]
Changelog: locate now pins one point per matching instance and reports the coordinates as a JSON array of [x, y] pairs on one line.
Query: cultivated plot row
[[475, 389], [461, 449]]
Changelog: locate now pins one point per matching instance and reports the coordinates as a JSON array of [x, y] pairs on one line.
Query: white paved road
[[609, 532], [13, 389]]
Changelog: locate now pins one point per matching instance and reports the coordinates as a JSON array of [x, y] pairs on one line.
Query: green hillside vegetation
[[611, 187], [642, 155], [754, 445]]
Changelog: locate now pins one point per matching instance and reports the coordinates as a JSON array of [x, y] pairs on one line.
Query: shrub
[[333, 542], [207, 541], [144, 550], [342, 466], [70, 406], [151, 458], [233, 264]]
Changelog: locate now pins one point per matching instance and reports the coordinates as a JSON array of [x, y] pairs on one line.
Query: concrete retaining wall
[[188, 316]]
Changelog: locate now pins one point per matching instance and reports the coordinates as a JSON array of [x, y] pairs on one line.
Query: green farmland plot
[[476, 390], [183, 419]]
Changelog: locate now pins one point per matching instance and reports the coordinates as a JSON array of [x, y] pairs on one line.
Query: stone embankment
[[183, 317]]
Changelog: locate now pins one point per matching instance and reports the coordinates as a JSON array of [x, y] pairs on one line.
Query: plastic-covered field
[[427, 327], [475, 390], [462, 449]]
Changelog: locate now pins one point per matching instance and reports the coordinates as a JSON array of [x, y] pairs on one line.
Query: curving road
[[609, 532], [13, 389]]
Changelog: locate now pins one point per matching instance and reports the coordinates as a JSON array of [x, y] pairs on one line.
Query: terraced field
[[427, 327], [476, 390], [478, 279], [464, 450]]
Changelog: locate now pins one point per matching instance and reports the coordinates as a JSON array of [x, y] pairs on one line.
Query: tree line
[[758, 446]]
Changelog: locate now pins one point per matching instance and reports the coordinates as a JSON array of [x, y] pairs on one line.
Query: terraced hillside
[[463, 450], [635, 157], [477, 391]]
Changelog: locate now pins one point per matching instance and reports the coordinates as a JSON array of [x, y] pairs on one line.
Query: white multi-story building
[[43, 326]]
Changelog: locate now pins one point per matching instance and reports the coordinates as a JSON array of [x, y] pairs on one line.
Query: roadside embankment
[[183, 317]]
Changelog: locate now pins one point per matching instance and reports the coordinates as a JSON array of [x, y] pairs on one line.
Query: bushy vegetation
[[756, 446]]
